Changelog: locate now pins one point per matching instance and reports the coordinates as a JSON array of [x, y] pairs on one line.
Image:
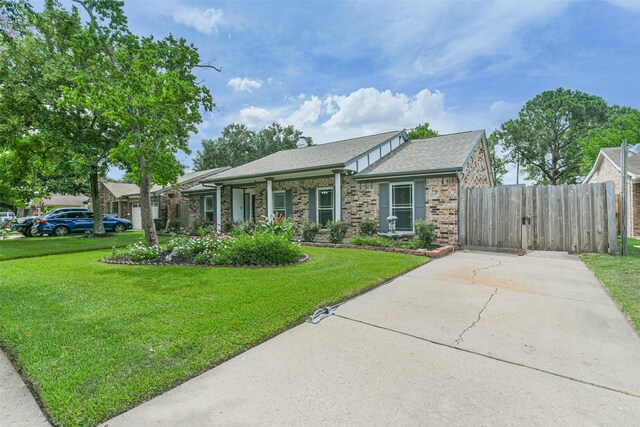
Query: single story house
[[57, 201], [607, 168], [124, 198], [373, 176]]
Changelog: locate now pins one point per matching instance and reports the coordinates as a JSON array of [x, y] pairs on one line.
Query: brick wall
[[442, 208], [476, 173], [608, 172]]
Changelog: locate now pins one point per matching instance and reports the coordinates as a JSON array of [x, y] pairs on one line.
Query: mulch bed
[[300, 260], [435, 253]]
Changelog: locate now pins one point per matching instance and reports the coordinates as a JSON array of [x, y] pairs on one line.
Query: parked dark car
[[25, 225], [77, 222]]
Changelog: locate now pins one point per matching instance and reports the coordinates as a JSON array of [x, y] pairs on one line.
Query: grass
[[95, 339], [30, 247], [621, 276]]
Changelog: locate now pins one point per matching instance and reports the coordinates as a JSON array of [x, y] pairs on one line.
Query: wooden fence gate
[[571, 218]]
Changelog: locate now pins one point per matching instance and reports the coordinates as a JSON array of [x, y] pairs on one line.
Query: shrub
[[425, 231], [336, 231], [309, 231], [140, 252], [368, 227], [228, 225], [371, 241], [175, 224], [202, 258], [258, 249], [277, 224]]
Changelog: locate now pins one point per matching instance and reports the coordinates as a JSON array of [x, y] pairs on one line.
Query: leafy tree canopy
[[623, 123], [239, 145], [544, 137], [498, 163], [422, 131]]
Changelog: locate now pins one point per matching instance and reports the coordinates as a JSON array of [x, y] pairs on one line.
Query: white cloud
[[255, 117], [369, 109], [244, 84], [364, 111], [307, 114], [205, 21]]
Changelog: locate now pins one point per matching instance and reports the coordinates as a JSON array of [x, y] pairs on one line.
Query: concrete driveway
[[473, 338]]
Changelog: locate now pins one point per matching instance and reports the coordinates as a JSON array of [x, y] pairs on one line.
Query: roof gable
[[612, 155]]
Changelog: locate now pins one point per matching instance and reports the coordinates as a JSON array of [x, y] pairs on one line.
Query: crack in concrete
[[475, 322], [475, 271]]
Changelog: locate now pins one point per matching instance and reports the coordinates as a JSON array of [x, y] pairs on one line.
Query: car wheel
[[119, 228], [28, 232], [61, 230]]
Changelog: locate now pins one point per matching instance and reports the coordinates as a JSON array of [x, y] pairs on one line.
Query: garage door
[[136, 214]]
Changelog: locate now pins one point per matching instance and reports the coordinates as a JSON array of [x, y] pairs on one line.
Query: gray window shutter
[[312, 205], [384, 207], [288, 197], [419, 200]]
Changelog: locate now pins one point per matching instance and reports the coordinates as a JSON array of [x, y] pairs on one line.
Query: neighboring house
[[57, 201], [124, 198], [607, 168], [369, 177]]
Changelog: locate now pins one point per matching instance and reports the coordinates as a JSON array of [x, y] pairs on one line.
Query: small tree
[[422, 131]]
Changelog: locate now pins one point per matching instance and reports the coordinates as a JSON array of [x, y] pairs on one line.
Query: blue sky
[[344, 69]]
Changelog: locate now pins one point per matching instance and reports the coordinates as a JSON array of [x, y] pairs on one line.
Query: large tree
[[149, 88], [544, 138], [239, 145], [49, 49], [623, 123], [498, 163]]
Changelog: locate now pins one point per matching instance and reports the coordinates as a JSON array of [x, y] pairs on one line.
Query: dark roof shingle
[[439, 153], [332, 154]]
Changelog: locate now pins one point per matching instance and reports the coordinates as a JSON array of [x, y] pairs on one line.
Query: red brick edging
[[422, 252]]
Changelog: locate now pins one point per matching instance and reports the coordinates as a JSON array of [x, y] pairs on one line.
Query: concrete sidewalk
[[473, 338], [17, 406]]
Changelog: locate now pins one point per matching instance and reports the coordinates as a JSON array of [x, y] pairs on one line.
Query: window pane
[[403, 222], [279, 201], [402, 195], [208, 203], [325, 198], [325, 216]]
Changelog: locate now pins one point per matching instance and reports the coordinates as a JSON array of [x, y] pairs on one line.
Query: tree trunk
[[150, 233], [98, 220]]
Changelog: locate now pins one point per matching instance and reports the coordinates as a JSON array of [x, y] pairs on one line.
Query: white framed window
[[280, 203], [402, 205], [325, 206], [208, 211]]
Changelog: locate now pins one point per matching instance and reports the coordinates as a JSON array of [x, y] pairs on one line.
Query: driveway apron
[[473, 338]]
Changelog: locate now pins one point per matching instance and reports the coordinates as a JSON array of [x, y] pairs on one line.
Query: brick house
[[368, 177], [124, 198], [607, 168]]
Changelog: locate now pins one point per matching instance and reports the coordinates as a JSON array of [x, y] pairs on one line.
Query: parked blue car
[[77, 222]]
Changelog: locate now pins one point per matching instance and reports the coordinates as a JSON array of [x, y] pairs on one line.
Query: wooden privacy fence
[[571, 218]]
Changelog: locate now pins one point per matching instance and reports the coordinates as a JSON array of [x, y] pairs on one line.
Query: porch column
[[219, 207], [269, 196], [337, 194]]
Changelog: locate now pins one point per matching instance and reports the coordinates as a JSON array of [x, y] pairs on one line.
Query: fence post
[[623, 223]]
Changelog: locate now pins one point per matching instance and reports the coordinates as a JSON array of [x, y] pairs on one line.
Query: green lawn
[[28, 247], [95, 339], [621, 277]]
